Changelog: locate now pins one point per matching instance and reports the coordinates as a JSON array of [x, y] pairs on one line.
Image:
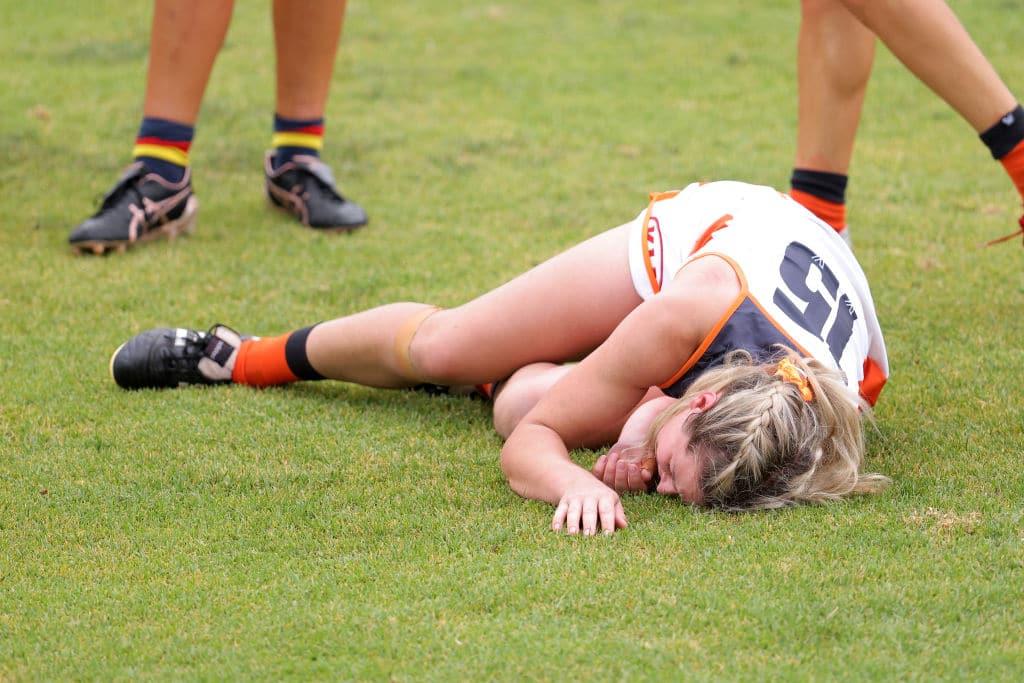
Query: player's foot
[[305, 188], [142, 206], [167, 358]]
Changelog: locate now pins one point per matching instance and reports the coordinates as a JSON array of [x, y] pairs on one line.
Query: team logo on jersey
[[654, 252]]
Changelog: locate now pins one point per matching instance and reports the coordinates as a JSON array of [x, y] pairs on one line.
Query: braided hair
[[781, 433]]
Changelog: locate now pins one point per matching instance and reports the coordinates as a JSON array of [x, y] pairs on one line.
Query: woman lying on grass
[[684, 323]]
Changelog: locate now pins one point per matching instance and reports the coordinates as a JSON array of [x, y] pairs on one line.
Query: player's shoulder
[[706, 287]]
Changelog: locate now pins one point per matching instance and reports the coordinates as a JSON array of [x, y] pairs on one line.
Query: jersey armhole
[[712, 334]]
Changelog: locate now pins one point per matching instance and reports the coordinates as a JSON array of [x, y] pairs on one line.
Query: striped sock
[[824, 194], [274, 360], [293, 137], [163, 146]]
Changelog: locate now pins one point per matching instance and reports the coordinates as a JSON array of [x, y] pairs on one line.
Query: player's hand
[[622, 472], [588, 506]]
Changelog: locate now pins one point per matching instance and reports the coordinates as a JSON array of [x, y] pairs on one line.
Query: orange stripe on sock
[[262, 363], [1014, 165], [832, 213]]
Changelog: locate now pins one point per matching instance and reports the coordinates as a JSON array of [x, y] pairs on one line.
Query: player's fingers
[[599, 466], [558, 519], [589, 520], [572, 516], [611, 463], [622, 470], [620, 515], [635, 477], [608, 508]]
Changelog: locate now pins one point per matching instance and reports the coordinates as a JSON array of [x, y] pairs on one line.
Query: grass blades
[[332, 532]]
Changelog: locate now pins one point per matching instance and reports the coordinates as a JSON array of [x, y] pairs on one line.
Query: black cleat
[[142, 206], [167, 358], [305, 188]]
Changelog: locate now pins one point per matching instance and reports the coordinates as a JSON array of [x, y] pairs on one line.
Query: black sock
[[1006, 134], [295, 355], [828, 186]]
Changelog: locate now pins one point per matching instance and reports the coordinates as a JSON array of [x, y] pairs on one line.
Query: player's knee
[[436, 356], [521, 392], [510, 407]]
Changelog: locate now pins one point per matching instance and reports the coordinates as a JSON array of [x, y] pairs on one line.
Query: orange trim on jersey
[[743, 295], [874, 380], [710, 336], [652, 273], [707, 234]]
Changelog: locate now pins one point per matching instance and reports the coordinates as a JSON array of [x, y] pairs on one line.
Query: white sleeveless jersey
[[800, 284]]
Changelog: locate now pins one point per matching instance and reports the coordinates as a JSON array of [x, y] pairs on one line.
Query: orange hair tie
[[789, 372]]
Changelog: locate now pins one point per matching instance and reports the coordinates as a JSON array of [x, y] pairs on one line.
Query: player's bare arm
[[589, 406]]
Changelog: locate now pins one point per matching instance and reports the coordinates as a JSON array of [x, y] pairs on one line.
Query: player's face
[[678, 467]]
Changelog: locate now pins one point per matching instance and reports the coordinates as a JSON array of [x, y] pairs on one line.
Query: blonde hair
[[764, 446]]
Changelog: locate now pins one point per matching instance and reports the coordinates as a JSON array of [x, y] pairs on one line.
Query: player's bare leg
[[306, 37], [932, 42], [556, 312], [185, 39], [834, 57], [835, 53]]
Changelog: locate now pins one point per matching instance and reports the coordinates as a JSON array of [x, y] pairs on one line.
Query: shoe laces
[[194, 344]]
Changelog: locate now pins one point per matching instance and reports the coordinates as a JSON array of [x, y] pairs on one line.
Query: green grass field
[[326, 531]]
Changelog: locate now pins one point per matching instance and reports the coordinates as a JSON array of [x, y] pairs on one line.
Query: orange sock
[[262, 362], [833, 213], [1014, 165]]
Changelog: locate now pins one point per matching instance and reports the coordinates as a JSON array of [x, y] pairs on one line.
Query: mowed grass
[[326, 531]]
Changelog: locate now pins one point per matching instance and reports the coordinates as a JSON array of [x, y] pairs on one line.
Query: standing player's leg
[[930, 40], [306, 36], [154, 197], [835, 53]]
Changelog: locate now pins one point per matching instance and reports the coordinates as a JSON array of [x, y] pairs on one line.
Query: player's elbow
[[509, 462]]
